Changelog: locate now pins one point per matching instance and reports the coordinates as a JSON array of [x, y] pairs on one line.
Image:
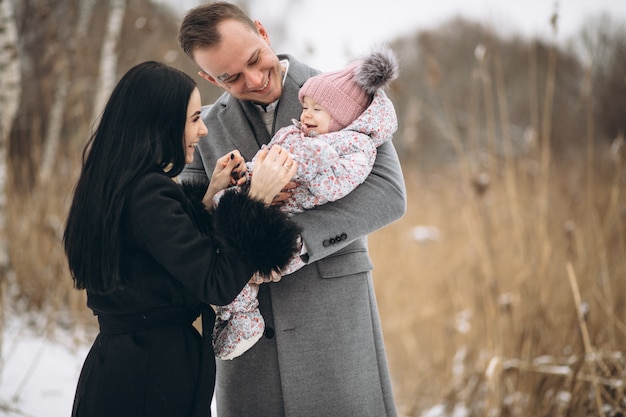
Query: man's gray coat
[[323, 352]]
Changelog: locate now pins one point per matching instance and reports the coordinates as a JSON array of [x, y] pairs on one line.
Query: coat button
[[344, 236], [269, 332], [326, 243]]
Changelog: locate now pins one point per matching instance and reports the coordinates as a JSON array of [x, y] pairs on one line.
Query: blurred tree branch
[[108, 56], [10, 83]]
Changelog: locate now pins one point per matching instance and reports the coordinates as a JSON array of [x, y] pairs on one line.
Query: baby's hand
[[238, 175], [222, 176], [258, 279]]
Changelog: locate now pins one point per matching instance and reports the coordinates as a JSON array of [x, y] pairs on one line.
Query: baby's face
[[314, 117]]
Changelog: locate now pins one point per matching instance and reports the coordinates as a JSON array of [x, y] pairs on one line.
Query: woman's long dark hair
[[141, 129]]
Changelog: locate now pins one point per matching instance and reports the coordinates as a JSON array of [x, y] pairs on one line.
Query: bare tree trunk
[[84, 17], [55, 124], [10, 85], [108, 57], [10, 79], [108, 65]]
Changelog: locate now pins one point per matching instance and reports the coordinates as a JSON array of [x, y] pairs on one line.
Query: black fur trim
[[262, 236]]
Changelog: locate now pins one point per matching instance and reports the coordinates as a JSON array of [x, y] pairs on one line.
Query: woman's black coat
[[148, 359]]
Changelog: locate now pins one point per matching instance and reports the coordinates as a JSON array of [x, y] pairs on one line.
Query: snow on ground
[[37, 374], [39, 371]]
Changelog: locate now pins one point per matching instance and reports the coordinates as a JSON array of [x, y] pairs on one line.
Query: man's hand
[[285, 193]]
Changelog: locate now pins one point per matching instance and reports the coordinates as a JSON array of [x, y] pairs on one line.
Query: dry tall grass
[[515, 306], [487, 315], [41, 281]]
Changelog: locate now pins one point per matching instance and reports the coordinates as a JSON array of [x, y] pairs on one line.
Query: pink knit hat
[[346, 93]]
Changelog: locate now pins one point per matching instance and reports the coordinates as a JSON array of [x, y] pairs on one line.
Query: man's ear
[[262, 32], [210, 79]]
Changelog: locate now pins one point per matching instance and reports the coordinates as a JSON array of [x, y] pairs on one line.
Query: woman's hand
[[273, 170], [229, 170]]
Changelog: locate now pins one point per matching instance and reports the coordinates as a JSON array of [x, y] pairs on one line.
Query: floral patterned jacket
[[331, 165]]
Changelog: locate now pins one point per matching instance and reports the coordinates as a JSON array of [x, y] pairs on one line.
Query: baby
[[345, 117]]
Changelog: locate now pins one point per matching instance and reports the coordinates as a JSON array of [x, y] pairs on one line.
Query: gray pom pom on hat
[[377, 70]]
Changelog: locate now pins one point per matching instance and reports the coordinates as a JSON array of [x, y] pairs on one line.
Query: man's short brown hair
[[199, 26]]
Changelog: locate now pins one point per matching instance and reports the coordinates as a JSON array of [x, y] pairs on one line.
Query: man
[[322, 353]]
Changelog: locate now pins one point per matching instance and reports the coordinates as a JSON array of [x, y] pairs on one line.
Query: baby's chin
[[309, 130]]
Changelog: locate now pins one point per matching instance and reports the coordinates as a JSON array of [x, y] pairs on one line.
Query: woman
[[152, 259]]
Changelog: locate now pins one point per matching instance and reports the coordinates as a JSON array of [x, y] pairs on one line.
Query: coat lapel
[[289, 106], [256, 123], [241, 129]]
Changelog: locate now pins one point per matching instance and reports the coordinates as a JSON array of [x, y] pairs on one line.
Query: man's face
[[243, 63]]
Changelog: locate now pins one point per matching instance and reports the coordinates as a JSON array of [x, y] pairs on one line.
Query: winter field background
[[501, 292], [39, 374]]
